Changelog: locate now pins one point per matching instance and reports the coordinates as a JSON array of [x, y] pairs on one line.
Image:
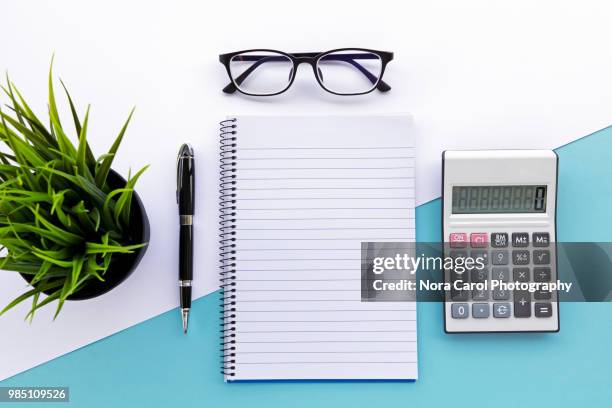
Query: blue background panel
[[153, 364]]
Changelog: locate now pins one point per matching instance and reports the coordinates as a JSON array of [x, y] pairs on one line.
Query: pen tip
[[185, 316]]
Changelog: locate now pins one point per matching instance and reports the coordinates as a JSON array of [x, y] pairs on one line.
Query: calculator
[[500, 206]]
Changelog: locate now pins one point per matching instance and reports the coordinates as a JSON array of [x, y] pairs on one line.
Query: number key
[[460, 310], [499, 257]]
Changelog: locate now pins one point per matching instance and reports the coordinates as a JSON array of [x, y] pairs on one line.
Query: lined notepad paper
[[299, 195]]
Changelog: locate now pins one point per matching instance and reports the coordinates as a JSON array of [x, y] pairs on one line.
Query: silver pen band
[[184, 283]]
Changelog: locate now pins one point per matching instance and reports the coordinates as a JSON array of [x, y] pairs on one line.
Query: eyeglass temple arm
[[349, 58]]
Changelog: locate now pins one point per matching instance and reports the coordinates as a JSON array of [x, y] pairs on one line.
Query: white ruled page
[[309, 190]]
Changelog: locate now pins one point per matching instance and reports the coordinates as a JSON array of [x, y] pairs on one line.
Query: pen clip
[[179, 168]]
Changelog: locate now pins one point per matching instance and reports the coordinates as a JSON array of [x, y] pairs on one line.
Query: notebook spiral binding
[[227, 199]]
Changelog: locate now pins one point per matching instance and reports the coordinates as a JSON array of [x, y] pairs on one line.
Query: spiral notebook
[[298, 196]]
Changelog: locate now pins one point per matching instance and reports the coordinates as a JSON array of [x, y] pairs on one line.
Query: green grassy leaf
[[63, 142], [124, 203], [26, 295], [105, 165]]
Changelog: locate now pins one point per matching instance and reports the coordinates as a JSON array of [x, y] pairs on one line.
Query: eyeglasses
[[345, 71]]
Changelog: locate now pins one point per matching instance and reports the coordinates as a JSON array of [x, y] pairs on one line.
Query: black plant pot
[[122, 265]]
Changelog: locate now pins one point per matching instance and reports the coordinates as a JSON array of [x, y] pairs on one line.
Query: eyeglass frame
[[311, 58]]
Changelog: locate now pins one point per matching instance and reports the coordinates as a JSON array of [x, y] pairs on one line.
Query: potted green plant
[[69, 224]]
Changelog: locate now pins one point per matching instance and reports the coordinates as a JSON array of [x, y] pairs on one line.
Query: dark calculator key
[[456, 254], [478, 294], [499, 240], [499, 257], [479, 275], [520, 239], [480, 255], [501, 294], [460, 310], [522, 303], [543, 309], [480, 310], [501, 310], [520, 274], [459, 295], [541, 257], [542, 294], [520, 257], [540, 239], [500, 274], [459, 276], [541, 274]]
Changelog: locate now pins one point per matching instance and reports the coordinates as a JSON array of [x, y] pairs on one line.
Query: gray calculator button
[[542, 295], [460, 310], [480, 310], [520, 239], [540, 239], [480, 275], [542, 310], [522, 303], [500, 274], [541, 274], [501, 294], [458, 253], [478, 294], [520, 274], [499, 240], [459, 294], [499, 257], [501, 310], [480, 255], [520, 257], [541, 257]]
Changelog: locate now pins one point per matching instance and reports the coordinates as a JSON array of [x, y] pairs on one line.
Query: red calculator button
[[458, 240], [478, 239]]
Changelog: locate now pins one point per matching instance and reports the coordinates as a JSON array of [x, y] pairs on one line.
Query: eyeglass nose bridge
[[312, 61]]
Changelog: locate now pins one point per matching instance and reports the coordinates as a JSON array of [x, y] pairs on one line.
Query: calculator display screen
[[499, 199]]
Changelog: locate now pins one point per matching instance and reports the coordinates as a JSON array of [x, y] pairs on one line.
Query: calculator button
[[499, 257], [543, 309], [499, 240], [520, 274], [478, 240], [541, 274], [501, 294], [542, 295], [458, 240], [480, 275], [460, 310], [541, 257], [459, 295], [478, 294], [480, 310], [501, 274], [540, 239], [520, 239], [522, 303], [520, 257], [501, 310], [483, 254], [458, 253]]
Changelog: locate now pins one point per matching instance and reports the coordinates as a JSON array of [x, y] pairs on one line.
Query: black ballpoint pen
[[185, 197]]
